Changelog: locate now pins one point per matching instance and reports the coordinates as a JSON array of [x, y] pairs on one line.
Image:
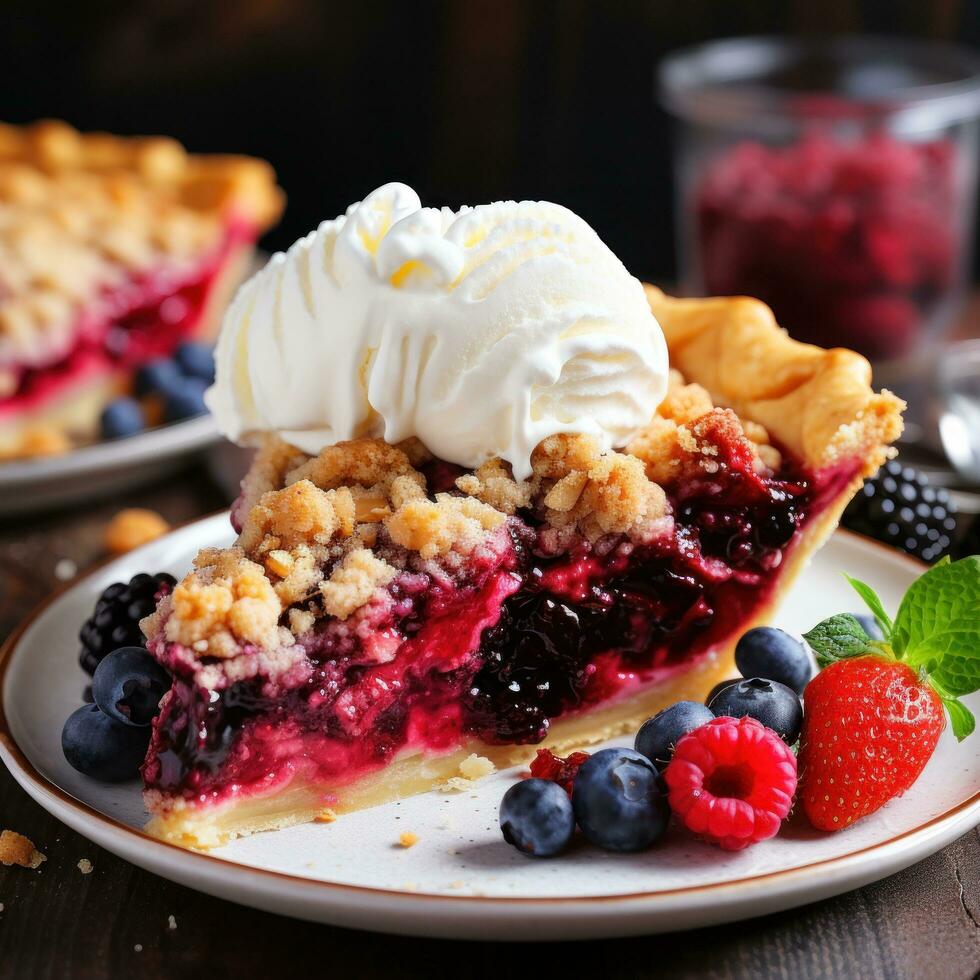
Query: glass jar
[[835, 180]]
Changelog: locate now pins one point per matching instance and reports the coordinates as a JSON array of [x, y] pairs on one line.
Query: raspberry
[[731, 782], [547, 765]]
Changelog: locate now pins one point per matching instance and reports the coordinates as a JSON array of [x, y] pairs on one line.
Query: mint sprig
[[838, 638], [936, 632]]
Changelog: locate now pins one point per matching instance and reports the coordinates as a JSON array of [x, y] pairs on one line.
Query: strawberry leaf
[[938, 626], [872, 601], [839, 638]]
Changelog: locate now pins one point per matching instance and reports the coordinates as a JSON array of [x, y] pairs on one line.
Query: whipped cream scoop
[[481, 332]]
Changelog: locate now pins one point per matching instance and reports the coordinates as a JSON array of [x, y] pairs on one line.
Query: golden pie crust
[[817, 403]]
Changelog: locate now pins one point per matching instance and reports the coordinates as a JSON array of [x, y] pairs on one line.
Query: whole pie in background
[[390, 620], [112, 251]]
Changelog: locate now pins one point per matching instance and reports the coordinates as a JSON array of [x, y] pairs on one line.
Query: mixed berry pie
[[112, 251], [390, 621]]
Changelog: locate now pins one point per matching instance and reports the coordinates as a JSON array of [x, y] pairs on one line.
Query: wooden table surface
[[921, 923]]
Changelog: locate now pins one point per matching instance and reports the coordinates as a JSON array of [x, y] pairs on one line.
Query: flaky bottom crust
[[303, 801]]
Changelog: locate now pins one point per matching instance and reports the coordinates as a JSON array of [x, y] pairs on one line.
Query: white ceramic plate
[[461, 880], [43, 482]]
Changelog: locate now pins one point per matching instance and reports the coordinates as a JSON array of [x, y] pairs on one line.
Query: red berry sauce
[[851, 242], [547, 765]]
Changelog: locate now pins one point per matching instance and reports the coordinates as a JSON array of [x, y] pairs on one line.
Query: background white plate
[[461, 880], [43, 482]]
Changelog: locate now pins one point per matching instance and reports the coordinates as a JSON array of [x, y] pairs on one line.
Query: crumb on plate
[[17, 849], [133, 527], [408, 839], [472, 768]]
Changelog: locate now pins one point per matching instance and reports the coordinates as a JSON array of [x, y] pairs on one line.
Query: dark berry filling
[[526, 638]]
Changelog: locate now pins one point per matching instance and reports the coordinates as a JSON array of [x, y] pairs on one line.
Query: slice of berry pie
[[112, 251], [411, 599]]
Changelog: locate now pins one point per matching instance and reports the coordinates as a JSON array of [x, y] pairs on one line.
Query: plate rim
[[25, 773]]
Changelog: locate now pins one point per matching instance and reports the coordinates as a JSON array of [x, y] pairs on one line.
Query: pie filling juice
[[520, 638]]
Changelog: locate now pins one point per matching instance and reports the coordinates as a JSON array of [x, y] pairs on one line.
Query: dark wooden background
[[467, 100], [921, 924]]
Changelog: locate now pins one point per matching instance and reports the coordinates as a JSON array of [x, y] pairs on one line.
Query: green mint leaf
[[838, 638], [938, 626], [960, 717], [872, 601]]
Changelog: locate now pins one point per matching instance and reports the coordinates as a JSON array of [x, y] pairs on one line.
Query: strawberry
[[869, 728], [873, 715]]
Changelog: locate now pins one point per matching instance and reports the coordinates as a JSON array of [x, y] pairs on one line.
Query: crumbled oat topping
[[300, 513], [435, 527], [325, 535], [363, 462], [353, 582], [598, 493], [16, 849], [226, 602], [494, 484]]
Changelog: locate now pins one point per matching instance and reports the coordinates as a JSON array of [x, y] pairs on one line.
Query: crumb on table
[[133, 527], [85, 866], [408, 839], [17, 849]]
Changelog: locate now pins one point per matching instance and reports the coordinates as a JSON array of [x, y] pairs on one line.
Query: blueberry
[[536, 817], [618, 801], [720, 686], [774, 704], [100, 747], [658, 736], [870, 625], [186, 400], [771, 653], [157, 377], [122, 417], [128, 685], [196, 359]]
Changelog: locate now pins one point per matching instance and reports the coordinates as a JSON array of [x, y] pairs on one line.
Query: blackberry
[[969, 544], [115, 621], [899, 507]]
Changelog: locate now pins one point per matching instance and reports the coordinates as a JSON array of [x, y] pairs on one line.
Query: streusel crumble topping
[[326, 536]]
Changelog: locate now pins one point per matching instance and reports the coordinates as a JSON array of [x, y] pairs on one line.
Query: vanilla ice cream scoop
[[481, 332]]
